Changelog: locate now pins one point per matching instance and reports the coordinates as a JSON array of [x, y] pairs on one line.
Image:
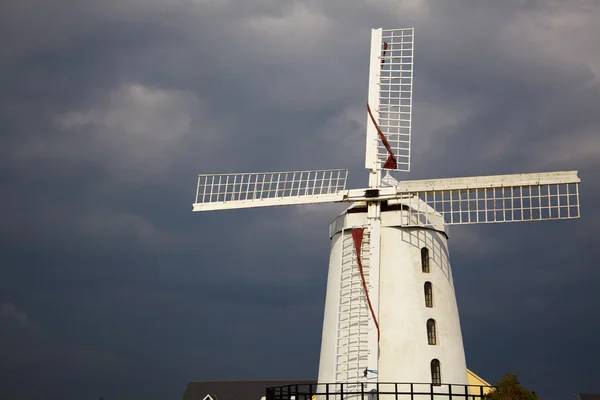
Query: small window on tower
[[431, 334], [425, 259], [436, 372], [428, 295]]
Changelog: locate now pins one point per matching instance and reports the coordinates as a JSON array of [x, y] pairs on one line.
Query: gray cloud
[[10, 313], [109, 110]]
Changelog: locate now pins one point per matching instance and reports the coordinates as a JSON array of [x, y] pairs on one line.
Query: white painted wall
[[329, 337], [404, 352]]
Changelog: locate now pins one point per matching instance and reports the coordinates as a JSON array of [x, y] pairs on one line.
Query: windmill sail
[[249, 190], [493, 199], [390, 99]]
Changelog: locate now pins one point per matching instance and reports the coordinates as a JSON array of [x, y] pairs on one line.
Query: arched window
[[428, 295], [436, 372], [425, 259], [431, 334]]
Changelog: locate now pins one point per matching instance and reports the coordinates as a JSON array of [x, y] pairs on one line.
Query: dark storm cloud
[[108, 110]]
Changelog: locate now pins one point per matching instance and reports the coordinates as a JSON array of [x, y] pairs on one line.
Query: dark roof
[[586, 396], [233, 390]]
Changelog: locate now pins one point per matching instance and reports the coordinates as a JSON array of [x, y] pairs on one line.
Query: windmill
[[391, 313]]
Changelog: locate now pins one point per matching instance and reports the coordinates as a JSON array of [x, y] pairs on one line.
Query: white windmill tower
[[391, 312]]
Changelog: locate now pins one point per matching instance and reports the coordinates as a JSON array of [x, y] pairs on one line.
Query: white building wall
[[404, 352], [329, 337]]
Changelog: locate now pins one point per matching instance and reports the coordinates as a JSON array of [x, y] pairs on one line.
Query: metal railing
[[376, 391]]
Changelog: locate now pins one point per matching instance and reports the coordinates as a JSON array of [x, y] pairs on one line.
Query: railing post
[[450, 391], [431, 390], [396, 389], [362, 391], [412, 392], [326, 391]]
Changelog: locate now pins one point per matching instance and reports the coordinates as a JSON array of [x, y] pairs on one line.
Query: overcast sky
[[110, 286]]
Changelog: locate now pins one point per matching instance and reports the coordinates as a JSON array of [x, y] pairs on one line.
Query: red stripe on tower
[[357, 236]]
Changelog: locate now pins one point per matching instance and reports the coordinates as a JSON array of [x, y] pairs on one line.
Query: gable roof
[[475, 379], [233, 390]]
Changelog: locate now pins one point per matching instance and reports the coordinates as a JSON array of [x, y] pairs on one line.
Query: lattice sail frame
[[491, 199], [352, 344], [262, 189], [390, 97]]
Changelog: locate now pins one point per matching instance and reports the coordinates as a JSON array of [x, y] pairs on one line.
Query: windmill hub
[[372, 193]]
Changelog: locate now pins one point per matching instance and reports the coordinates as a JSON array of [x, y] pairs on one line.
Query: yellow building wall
[[475, 379]]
